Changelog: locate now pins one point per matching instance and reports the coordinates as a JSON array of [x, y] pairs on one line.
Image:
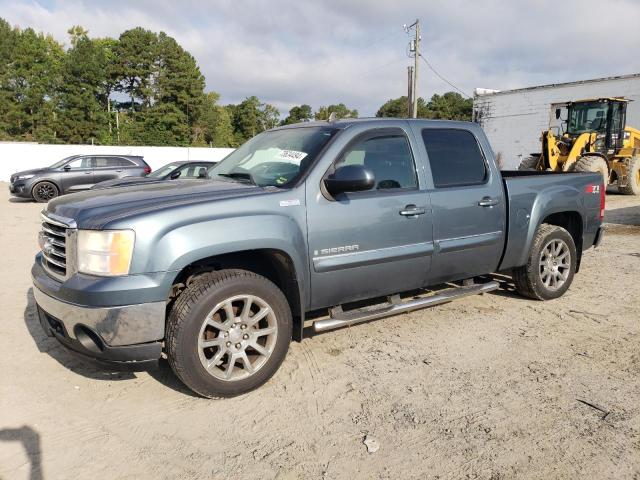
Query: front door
[[467, 202], [77, 175], [374, 243]]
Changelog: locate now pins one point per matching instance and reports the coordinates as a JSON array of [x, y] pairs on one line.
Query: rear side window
[[106, 162], [454, 156]]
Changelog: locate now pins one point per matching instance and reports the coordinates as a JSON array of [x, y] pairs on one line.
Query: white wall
[[17, 156], [513, 120]]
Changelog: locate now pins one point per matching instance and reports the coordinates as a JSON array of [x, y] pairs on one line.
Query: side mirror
[[558, 111], [175, 174], [349, 178], [67, 167]]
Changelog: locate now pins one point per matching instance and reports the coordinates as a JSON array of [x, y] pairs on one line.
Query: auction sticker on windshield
[[293, 156]]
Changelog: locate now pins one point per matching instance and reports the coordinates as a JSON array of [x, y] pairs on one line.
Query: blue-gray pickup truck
[[307, 227]]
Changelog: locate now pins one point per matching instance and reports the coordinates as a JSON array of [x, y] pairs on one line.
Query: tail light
[[147, 170], [598, 189]]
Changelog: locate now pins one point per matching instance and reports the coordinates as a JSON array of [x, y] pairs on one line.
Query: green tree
[[31, 83], [269, 116], [136, 54], [450, 106], [299, 113], [8, 41], [214, 127], [178, 79], [399, 108], [82, 117], [340, 110]]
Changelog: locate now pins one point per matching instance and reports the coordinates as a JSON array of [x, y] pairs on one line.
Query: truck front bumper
[[113, 335]]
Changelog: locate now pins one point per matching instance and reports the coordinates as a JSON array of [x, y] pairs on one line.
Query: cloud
[[353, 51]]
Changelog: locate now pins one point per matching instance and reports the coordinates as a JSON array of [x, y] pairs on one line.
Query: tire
[[529, 163], [593, 164], [42, 192], [530, 280], [633, 178], [201, 342]]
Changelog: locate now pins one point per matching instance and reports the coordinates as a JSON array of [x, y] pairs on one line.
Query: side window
[[454, 156], [82, 162], [388, 157], [105, 162], [123, 162], [194, 171]]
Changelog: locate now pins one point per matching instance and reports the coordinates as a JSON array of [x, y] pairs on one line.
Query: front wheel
[[551, 265], [228, 333], [593, 164], [44, 191]]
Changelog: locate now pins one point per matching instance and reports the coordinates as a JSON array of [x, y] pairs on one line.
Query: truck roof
[[343, 123]]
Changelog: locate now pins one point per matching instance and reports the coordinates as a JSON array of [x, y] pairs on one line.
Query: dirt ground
[[493, 387]]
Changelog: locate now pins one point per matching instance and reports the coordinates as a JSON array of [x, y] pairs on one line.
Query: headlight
[[24, 177], [106, 252]]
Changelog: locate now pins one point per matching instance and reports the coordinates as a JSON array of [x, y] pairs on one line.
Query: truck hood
[[126, 181], [93, 209]]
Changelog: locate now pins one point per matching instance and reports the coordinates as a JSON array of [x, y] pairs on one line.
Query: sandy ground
[[490, 387]]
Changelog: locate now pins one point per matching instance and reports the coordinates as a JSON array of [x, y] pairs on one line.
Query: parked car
[[183, 170], [75, 173], [300, 227]]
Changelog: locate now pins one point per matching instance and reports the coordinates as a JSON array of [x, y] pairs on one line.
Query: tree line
[[142, 88]]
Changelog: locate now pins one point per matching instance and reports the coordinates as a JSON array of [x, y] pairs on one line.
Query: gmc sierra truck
[[313, 226]]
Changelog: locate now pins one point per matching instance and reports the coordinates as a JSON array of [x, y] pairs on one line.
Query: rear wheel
[[632, 186], [44, 191], [228, 333], [551, 265], [529, 163], [593, 164]]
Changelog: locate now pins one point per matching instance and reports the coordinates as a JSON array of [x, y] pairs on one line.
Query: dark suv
[[71, 174]]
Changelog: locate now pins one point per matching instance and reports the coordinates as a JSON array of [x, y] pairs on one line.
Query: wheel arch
[[572, 222], [274, 264]]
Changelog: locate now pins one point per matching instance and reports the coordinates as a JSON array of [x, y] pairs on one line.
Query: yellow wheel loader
[[592, 137]]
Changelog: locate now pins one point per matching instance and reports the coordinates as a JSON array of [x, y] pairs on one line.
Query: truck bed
[[529, 192]]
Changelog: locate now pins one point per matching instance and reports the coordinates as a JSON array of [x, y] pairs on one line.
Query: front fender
[[179, 247]]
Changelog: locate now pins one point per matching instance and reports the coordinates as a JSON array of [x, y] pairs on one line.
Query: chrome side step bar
[[339, 318]]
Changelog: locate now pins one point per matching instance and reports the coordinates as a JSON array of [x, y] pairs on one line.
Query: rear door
[[108, 168], [372, 243], [467, 200], [77, 175]]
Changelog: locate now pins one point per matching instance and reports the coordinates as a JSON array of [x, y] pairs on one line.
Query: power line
[[444, 79]]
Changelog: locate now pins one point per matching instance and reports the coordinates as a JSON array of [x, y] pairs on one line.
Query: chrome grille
[[55, 243]]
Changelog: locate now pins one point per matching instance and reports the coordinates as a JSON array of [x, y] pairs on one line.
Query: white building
[[514, 119]]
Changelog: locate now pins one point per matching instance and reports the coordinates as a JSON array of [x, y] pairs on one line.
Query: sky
[[355, 51]]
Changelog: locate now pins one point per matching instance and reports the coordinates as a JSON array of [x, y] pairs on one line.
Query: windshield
[[166, 170], [587, 117], [275, 158], [60, 163]]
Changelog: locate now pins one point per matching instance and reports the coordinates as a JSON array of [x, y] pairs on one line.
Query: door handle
[[118, 171], [488, 202], [412, 211], [88, 173]]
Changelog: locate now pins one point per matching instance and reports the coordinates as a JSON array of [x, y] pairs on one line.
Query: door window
[[83, 162], [388, 157], [454, 157]]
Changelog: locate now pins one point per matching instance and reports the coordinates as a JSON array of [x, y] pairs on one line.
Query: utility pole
[[416, 51], [410, 92]]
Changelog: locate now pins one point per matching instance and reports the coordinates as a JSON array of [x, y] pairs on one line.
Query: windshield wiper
[[238, 176]]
